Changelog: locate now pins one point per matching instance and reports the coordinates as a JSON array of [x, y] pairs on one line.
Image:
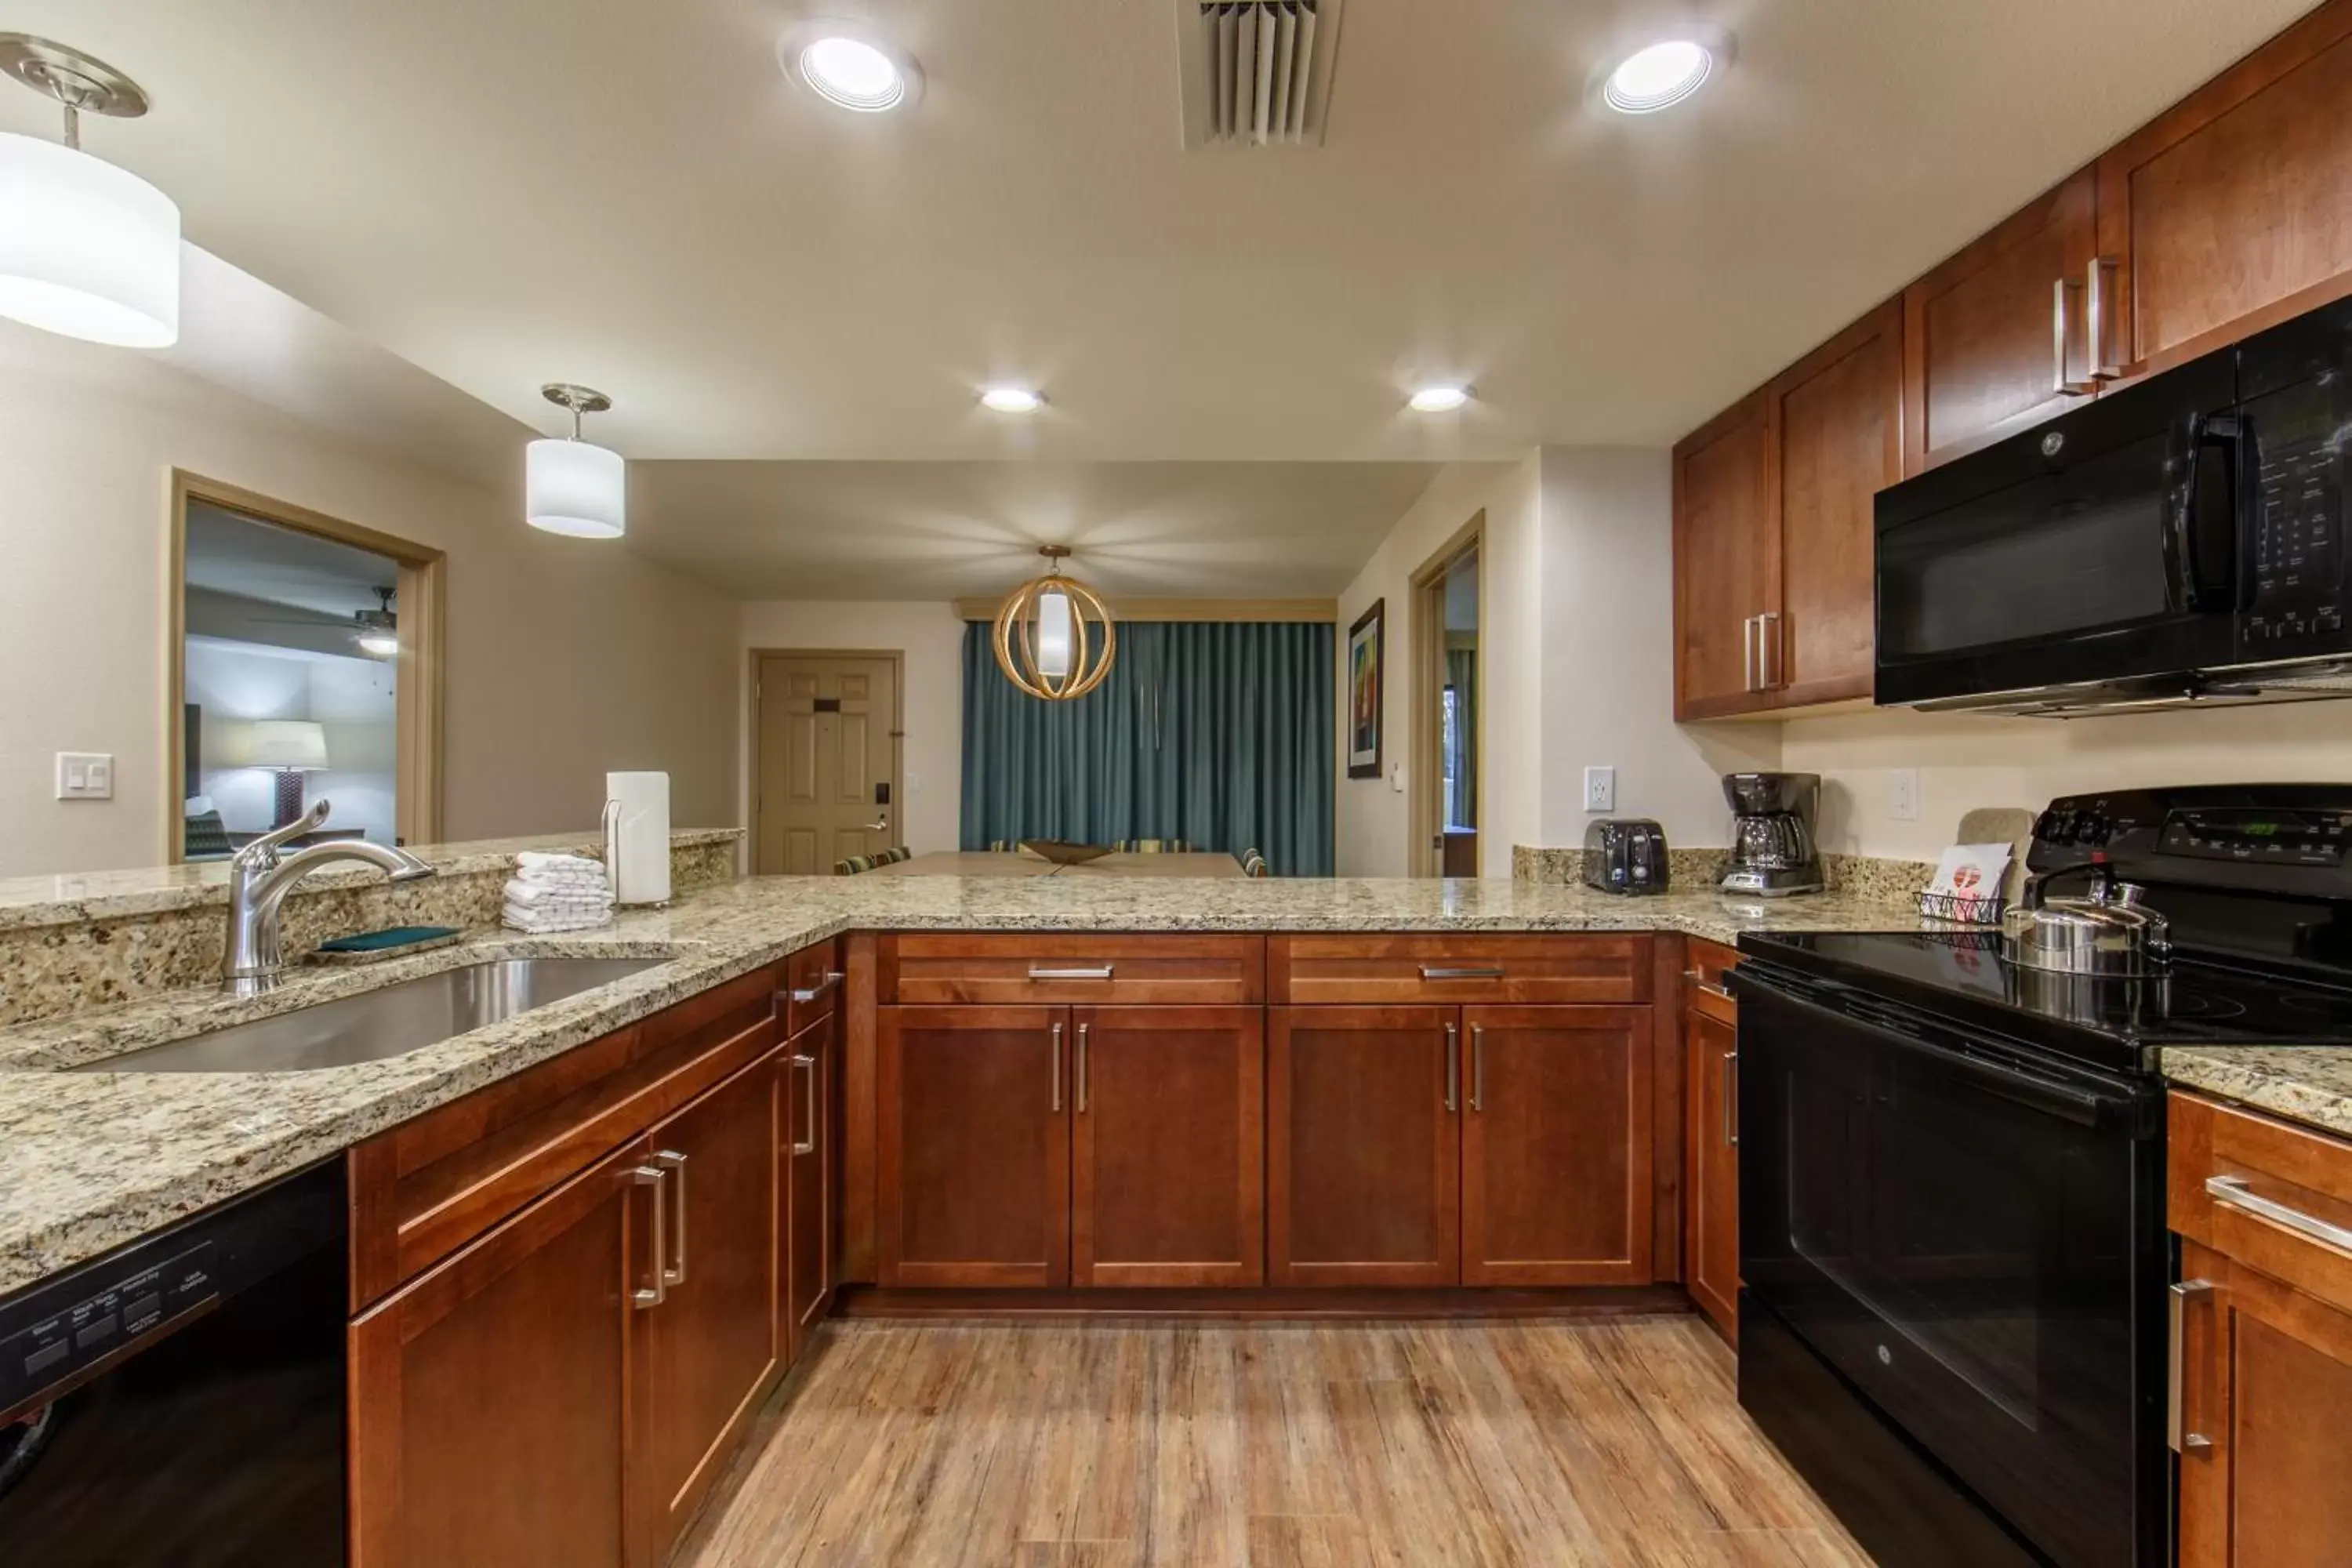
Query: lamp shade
[[1054, 633], [575, 488], [286, 743], [87, 249]]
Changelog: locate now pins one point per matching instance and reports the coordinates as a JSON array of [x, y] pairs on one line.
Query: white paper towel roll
[[636, 837]]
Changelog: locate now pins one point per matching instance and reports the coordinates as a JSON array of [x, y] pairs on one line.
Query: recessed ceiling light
[[1440, 399], [1662, 74], [847, 64], [1013, 399]]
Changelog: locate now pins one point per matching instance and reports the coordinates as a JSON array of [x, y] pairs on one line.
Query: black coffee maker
[[1772, 849]]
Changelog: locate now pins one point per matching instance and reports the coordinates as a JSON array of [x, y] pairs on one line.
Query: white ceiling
[[633, 196]]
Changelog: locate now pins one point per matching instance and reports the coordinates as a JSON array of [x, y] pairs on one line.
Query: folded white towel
[[520, 892], [540, 862], [535, 920]]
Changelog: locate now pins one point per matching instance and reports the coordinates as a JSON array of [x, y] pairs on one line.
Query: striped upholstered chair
[[1254, 864], [894, 854], [1154, 846], [854, 864]]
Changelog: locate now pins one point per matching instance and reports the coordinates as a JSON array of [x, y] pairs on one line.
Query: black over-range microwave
[[2182, 541]]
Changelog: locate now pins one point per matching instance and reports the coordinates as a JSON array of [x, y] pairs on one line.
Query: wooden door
[[1981, 332], [703, 1354], [1363, 1146], [2266, 1380], [827, 782], [1837, 419], [1555, 1146], [2232, 211], [1727, 561], [809, 1069], [1167, 1161], [974, 1148], [486, 1397], [1711, 1167]]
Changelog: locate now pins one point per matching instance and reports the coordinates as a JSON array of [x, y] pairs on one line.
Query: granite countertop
[[2310, 1084]]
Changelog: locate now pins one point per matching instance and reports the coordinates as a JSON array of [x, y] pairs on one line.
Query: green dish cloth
[[384, 941]]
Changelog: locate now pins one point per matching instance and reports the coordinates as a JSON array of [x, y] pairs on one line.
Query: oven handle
[[2083, 1106], [2183, 526]]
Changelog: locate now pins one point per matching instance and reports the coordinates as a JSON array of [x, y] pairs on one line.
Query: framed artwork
[[1365, 685]]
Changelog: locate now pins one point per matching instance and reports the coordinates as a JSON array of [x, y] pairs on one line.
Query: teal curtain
[[1217, 733]]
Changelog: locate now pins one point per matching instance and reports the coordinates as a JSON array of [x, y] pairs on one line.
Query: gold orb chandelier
[[1054, 639]]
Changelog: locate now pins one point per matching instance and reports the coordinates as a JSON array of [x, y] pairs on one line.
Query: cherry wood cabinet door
[[972, 1156], [704, 1354], [2232, 210], [1727, 561], [487, 1396], [1555, 1146], [1711, 1166], [1363, 1145], [1168, 1157], [2266, 1378], [808, 1069], [1981, 332], [1837, 422]]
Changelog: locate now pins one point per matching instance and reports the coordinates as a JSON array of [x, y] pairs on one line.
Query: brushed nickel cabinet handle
[[2097, 297], [833, 977], [1428, 973], [1101, 973], [808, 1103], [1767, 648], [1083, 1054], [671, 1161], [1453, 1066], [1748, 642], [2061, 382], [1698, 982], [642, 1297], [1731, 1098], [2176, 1405], [1055, 1069], [1477, 1066], [2233, 1191]]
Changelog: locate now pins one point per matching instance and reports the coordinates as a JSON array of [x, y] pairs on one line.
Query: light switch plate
[[85, 776], [1600, 789], [1903, 794]]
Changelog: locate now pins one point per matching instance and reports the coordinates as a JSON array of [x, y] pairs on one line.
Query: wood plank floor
[[1611, 1443]]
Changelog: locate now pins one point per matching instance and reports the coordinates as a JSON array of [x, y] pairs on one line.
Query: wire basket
[[1975, 911]]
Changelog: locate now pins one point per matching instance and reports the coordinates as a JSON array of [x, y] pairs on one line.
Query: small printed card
[[1968, 881]]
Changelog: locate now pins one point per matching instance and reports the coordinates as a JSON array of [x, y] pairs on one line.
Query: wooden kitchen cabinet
[[487, 1397], [1363, 1145], [972, 1147], [1711, 1140], [704, 1346], [1168, 1157], [1727, 560], [1555, 1146], [809, 1069]]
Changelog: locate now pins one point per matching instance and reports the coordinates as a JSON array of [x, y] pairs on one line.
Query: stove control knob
[[2090, 829]]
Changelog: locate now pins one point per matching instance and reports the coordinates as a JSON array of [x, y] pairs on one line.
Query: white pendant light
[[1054, 636], [1054, 633], [572, 486], [87, 249]]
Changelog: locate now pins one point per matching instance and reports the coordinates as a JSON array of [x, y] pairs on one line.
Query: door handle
[[671, 1161], [1053, 1067], [1477, 1066], [642, 1297], [2061, 382], [1453, 1066], [1731, 1098], [2183, 1441], [833, 977], [807, 1145], [1083, 1054]]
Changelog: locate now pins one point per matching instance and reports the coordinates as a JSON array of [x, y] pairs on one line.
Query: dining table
[[1123, 863]]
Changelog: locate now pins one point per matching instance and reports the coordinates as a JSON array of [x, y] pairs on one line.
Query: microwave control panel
[[2295, 558]]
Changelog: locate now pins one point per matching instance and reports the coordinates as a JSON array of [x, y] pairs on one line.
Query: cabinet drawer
[[1703, 972], [2269, 1194], [427, 1187], [1033, 968], [812, 980], [1447, 968]]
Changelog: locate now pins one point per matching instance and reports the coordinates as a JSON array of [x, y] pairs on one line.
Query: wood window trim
[[419, 671]]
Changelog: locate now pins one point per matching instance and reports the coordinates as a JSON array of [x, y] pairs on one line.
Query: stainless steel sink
[[375, 1025]]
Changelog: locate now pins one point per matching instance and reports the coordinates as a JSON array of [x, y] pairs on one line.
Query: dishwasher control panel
[[49, 1336]]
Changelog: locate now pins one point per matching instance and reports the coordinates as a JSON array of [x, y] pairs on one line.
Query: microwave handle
[[2184, 528]]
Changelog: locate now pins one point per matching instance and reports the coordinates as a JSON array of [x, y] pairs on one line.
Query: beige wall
[[932, 637], [1968, 761], [565, 658]]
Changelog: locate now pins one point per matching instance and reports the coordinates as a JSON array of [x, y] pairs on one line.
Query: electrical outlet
[[85, 776], [1903, 794], [1600, 789]]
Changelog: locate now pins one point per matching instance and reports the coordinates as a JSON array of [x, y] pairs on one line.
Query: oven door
[[1959, 1226], [2102, 546]]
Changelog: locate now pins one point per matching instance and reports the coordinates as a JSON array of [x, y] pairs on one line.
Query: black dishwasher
[[181, 1401]]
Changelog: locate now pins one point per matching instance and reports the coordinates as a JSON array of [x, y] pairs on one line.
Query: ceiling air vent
[[1256, 73]]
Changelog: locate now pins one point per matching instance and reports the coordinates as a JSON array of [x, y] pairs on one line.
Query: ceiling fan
[[375, 632]]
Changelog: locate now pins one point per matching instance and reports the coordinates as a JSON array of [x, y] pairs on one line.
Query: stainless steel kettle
[[2107, 932]]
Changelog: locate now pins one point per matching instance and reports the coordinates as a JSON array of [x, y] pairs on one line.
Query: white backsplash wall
[[1968, 761]]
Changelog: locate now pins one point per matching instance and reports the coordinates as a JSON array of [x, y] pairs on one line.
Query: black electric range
[[1953, 1253]]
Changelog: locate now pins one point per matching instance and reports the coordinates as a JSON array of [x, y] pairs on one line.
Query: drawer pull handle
[[1083, 1054], [1698, 983], [2233, 1191], [805, 995], [1477, 1066], [643, 1297], [1427, 973], [1453, 1066], [671, 1161], [1103, 973], [1054, 1068], [1731, 1098], [807, 1145], [2183, 1441]]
